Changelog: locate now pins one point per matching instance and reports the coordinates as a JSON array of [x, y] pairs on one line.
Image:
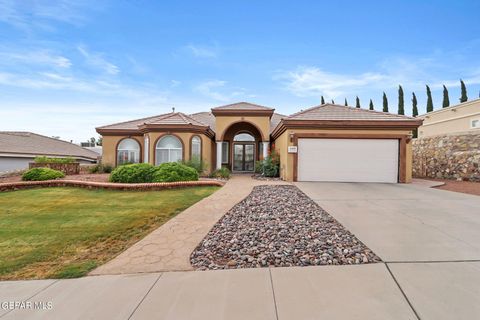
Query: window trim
[[140, 150], [163, 136], [226, 146], [191, 146], [475, 127], [146, 156]]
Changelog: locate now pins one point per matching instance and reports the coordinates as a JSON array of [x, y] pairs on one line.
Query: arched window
[[196, 147], [128, 151], [168, 149], [243, 137]]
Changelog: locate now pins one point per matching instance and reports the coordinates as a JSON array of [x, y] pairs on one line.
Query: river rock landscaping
[[278, 226]]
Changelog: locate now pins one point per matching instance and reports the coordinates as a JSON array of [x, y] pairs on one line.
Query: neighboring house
[[324, 143], [463, 117], [17, 149]]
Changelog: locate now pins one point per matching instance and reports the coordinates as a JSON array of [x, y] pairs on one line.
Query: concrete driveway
[[429, 240]]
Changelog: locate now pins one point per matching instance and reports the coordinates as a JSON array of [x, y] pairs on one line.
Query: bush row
[[145, 173], [41, 174]]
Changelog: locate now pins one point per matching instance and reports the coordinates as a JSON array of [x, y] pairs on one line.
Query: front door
[[243, 157]]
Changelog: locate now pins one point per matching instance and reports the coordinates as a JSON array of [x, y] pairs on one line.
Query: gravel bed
[[278, 226]]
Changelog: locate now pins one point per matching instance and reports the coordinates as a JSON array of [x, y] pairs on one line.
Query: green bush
[[174, 171], [101, 168], [41, 174], [43, 159], [223, 173], [133, 173], [270, 166], [196, 163]]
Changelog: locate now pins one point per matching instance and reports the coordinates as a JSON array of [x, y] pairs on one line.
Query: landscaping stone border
[[12, 186]]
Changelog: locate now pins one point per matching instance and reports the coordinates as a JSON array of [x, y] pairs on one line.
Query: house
[[463, 117], [17, 149], [324, 143]]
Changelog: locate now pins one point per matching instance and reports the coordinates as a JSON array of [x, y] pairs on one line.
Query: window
[[196, 147], [475, 124], [225, 152], [243, 137], [128, 151], [168, 149], [147, 149]]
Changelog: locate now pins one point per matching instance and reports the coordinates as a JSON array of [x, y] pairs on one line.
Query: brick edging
[[10, 186]]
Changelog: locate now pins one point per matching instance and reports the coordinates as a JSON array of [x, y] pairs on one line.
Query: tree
[[414, 105], [463, 97], [93, 141], [385, 102], [346, 103], [333, 102], [357, 102], [401, 104], [371, 105], [322, 100], [99, 141], [429, 99], [446, 99]]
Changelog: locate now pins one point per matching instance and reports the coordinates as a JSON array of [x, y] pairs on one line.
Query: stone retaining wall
[[452, 156], [67, 168], [11, 186]]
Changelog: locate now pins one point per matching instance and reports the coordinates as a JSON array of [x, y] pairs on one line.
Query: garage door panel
[[348, 160]]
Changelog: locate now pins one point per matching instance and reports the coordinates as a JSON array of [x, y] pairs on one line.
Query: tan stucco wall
[[286, 159], [223, 122], [450, 120], [109, 145]]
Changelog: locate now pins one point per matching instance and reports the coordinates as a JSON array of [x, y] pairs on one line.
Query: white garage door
[[348, 160]]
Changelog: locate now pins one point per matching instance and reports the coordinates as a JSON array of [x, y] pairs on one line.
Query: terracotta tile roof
[[338, 112], [242, 106], [175, 118], [35, 144], [206, 117], [275, 120]]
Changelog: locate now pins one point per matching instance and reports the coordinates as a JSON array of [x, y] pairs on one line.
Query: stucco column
[[265, 149], [219, 154]]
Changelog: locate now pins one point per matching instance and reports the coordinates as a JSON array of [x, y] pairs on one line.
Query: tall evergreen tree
[[463, 97], [346, 103], [414, 105], [401, 103], [322, 100], [371, 105], [385, 102], [429, 99], [446, 99], [333, 102], [357, 102]]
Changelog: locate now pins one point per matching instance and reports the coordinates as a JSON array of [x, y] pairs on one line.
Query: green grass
[[67, 232]]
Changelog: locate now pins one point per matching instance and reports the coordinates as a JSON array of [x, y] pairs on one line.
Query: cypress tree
[[322, 101], [333, 102], [385, 102], [429, 99], [401, 104], [446, 99], [414, 105], [357, 102], [346, 103], [463, 97], [371, 105]]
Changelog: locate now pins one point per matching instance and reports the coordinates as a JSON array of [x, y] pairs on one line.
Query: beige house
[[324, 143], [464, 117]]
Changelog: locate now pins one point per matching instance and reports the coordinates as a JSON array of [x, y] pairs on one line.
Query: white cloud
[[35, 57], [210, 89], [203, 51], [97, 60]]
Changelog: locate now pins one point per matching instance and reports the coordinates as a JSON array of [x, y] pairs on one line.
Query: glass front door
[[243, 157]]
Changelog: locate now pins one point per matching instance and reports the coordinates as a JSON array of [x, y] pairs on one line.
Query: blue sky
[[69, 66]]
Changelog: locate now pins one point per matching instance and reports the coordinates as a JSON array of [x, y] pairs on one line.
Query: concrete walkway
[[168, 248]]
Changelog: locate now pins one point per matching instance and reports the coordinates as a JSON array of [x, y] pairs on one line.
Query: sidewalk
[[168, 248]]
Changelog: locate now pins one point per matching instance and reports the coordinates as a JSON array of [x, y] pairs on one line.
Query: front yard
[[66, 232]]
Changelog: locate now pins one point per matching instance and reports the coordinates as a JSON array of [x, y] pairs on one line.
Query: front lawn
[[66, 232]]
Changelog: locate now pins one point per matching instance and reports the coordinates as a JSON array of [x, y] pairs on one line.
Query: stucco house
[[460, 118], [18, 148], [323, 143]]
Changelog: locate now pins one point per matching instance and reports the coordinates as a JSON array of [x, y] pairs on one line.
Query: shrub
[[270, 166], [174, 171], [41, 174], [133, 173], [101, 168], [196, 163], [43, 159], [223, 173]]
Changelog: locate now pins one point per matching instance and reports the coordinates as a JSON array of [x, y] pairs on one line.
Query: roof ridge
[[244, 102]]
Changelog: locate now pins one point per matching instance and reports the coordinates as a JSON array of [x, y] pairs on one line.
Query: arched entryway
[[240, 146]]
